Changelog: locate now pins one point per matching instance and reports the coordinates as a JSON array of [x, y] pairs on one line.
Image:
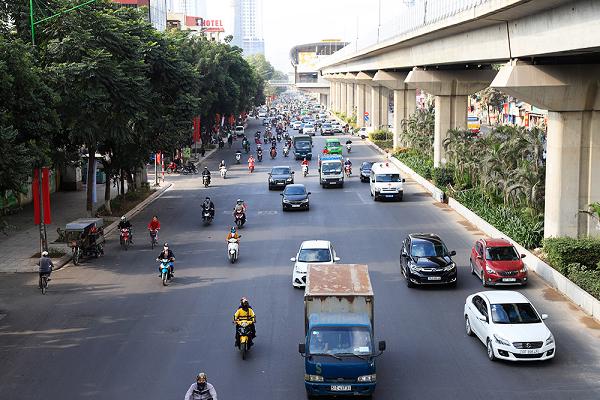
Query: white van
[[386, 182]]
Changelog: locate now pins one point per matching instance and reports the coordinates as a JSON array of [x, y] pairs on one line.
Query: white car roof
[[502, 296], [315, 244], [383, 167]]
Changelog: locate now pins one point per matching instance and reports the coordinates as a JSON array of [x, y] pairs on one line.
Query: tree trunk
[[107, 187], [90, 178]]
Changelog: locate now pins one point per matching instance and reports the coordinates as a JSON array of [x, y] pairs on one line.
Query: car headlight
[[550, 340], [501, 340], [523, 270], [413, 267], [304, 201], [490, 271], [367, 378], [286, 201], [450, 267], [271, 180], [313, 378]]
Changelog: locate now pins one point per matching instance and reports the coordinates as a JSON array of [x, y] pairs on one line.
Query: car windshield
[[366, 166], [294, 190], [308, 126], [314, 255], [280, 171], [331, 168], [504, 253], [239, 128], [343, 341], [514, 313], [387, 178], [326, 125], [425, 248], [303, 145]]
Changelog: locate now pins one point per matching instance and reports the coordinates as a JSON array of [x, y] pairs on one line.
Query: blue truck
[[339, 354]]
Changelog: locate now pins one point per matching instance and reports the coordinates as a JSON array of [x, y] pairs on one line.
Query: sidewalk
[[21, 241]]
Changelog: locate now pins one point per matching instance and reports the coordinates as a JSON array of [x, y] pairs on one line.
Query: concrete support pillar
[[338, 96], [343, 97], [405, 103], [451, 88], [384, 104], [349, 99], [375, 110], [360, 105], [571, 94]]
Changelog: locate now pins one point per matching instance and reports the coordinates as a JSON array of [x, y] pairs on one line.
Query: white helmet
[[44, 253]]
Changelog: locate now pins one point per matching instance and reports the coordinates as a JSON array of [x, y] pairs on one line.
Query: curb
[[588, 303], [64, 260]]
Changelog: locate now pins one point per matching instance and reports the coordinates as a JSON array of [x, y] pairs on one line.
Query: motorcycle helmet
[[244, 303], [232, 229], [123, 218], [44, 253], [166, 246], [201, 379]]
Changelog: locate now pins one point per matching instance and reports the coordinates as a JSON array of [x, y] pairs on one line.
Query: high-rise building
[[157, 11], [243, 19]]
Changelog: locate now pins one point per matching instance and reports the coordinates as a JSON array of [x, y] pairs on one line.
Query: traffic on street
[[323, 270]]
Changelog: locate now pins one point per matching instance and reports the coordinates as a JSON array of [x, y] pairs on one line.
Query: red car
[[497, 262]]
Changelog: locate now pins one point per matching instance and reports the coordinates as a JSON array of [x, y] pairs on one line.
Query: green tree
[[263, 67]]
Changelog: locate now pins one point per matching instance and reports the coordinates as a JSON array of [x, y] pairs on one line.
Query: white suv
[[311, 252]]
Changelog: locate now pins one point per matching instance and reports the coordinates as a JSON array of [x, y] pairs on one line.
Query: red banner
[[196, 136], [158, 157], [46, 195], [35, 192]]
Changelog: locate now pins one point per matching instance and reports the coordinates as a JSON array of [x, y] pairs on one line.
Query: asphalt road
[[107, 329]]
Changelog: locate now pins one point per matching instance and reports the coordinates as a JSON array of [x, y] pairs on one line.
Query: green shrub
[[563, 251], [587, 279], [525, 228], [442, 177], [381, 134], [384, 144], [416, 161]]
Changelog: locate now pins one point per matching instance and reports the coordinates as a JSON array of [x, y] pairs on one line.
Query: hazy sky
[[291, 22]]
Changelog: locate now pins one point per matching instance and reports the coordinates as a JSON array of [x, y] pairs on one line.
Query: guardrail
[[409, 15]]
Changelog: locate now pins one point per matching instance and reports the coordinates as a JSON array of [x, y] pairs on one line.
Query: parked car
[[425, 260], [295, 197], [509, 325], [362, 132], [497, 262], [365, 171], [311, 252], [280, 177]]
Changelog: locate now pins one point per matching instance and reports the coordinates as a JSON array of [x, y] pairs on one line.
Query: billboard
[[307, 60]]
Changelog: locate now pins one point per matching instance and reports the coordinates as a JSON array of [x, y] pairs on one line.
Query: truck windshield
[[343, 340], [387, 178], [331, 168], [314, 255], [302, 145]]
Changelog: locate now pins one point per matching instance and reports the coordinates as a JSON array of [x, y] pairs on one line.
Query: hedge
[[417, 161], [563, 252]]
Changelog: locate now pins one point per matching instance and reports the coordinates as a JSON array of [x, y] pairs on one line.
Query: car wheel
[[468, 329], [400, 197], [472, 267], [409, 283], [490, 351]]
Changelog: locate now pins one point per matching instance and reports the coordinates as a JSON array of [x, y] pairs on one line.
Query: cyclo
[[85, 237]]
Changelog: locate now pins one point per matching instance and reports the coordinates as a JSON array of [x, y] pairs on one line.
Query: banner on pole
[[35, 192], [46, 195], [196, 136]]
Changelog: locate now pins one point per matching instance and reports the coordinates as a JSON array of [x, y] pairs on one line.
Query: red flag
[[46, 195], [196, 136], [158, 156], [35, 192]]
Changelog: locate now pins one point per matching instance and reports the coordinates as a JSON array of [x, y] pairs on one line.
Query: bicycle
[[44, 282]]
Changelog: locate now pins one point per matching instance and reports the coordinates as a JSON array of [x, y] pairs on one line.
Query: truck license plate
[[434, 278], [509, 279], [341, 388]]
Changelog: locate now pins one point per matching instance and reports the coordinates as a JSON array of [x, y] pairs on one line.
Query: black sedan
[[280, 177], [295, 197], [425, 260], [365, 171]]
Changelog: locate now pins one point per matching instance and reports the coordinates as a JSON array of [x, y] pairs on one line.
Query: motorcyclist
[[208, 205], [168, 254], [125, 224], [201, 390], [233, 234], [238, 155], [348, 142], [251, 162], [206, 172], [348, 163], [240, 206], [304, 162], [154, 225], [222, 164], [45, 266], [245, 313], [273, 151]]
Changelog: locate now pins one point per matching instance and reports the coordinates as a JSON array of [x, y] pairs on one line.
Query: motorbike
[[189, 169], [305, 170], [205, 180], [172, 168], [207, 216], [246, 147], [273, 153], [238, 157], [221, 144], [233, 250], [348, 170], [259, 156], [244, 332], [223, 171], [279, 137], [153, 237], [348, 147], [239, 218], [251, 168], [286, 151], [125, 238], [165, 271]]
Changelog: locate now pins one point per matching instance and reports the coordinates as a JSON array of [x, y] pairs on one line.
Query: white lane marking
[[364, 201], [269, 212]]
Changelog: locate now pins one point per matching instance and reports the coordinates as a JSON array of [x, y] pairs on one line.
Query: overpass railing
[[407, 16]]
